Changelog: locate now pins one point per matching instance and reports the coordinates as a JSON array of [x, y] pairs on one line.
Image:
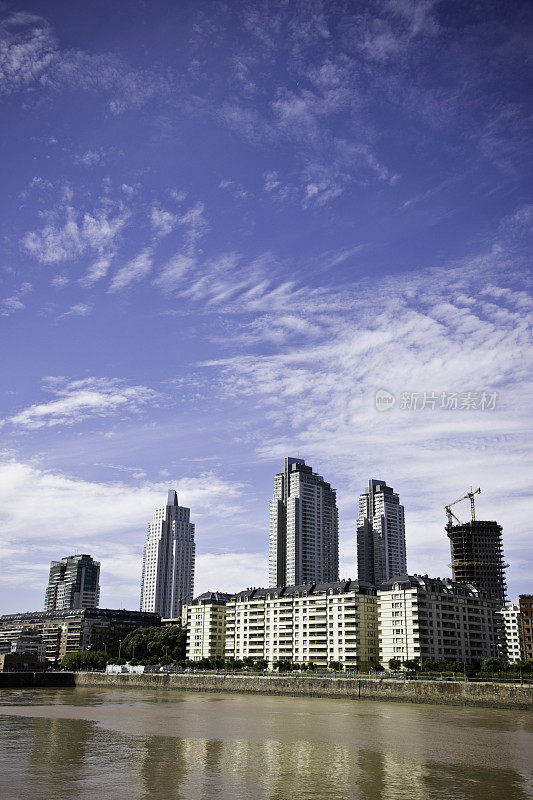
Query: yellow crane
[[468, 496]]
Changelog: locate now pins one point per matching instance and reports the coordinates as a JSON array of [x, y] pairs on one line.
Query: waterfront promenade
[[458, 693]]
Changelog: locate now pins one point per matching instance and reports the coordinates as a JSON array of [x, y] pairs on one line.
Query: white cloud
[[59, 281], [77, 400], [133, 272], [97, 270], [111, 521], [91, 158], [78, 310], [14, 303], [66, 241], [163, 222]]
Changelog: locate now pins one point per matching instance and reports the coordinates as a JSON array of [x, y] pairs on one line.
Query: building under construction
[[477, 552]]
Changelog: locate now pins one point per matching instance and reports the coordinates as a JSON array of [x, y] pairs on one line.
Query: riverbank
[[482, 695]]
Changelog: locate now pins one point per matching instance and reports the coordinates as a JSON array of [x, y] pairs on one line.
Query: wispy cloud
[[133, 272], [31, 58], [14, 303], [77, 233], [78, 400]]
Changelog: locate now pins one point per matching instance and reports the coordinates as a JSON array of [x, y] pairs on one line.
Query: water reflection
[[302, 753]]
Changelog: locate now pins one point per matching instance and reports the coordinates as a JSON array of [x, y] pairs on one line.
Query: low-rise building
[[313, 622], [422, 617], [22, 640], [22, 662], [526, 623], [512, 634], [70, 630], [206, 626]]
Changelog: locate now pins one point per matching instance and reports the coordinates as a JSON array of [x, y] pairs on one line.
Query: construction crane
[[470, 496]]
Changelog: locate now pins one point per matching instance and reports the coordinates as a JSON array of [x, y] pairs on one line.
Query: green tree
[[260, 664], [218, 662], [335, 665], [454, 666], [394, 664], [430, 665], [284, 665], [84, 660], [155, 643], [493, 665], [412, 665]]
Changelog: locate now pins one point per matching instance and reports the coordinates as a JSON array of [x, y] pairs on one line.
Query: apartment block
[[71, 630], [512, 634], [206, 625], [73, 583], [422, 617], [526, 619], [304, 527], [477, 556], [381, 551], [312, 622], [168, 560]]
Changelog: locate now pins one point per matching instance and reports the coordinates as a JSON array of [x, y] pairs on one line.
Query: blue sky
[[224, 227]]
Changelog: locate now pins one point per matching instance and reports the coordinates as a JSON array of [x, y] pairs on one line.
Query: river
[[112, 744]]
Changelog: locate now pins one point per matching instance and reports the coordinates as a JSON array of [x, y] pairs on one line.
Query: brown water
[[91, 744]]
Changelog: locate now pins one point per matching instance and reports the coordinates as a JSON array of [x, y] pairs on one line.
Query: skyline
[[172, 495], [223, 229]]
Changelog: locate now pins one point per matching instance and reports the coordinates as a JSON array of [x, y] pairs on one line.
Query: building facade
[[206, 626], [70, 630], [421, 618], [304, 527], [74, 582], [381, 552], [314, 622], [21, 639], [526, 624], [512, 631], [477, 556], [168, 560]]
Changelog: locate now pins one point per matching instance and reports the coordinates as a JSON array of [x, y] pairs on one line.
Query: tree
[[218, 662], [454, 666], [335, 665], [260, 664], [284, 665], [394, 664], [156, 643], [84, 660], [412, 665], [430, 665], [493, 665]]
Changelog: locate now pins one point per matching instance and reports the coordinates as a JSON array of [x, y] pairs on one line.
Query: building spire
[[172, 499]]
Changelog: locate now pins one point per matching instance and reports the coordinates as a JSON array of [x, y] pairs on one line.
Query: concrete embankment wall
[[13, 680], [488, 695]]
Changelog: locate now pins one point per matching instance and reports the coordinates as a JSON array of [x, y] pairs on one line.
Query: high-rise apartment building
[[313, 622], [73, 583], [512, 632], [477, 556], [526, 625], [422, 617], [168, 560], [206, 625], [304, 527], [380, 534]]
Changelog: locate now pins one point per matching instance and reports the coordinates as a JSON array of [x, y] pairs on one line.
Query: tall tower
[[168, 560], [304, 527], [477, 556], [73, 583], [380, 534]]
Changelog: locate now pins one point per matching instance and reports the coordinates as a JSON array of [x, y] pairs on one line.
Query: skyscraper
[[73, 583], [477, 556], [380, 534], [304, 528], [168, 560]]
